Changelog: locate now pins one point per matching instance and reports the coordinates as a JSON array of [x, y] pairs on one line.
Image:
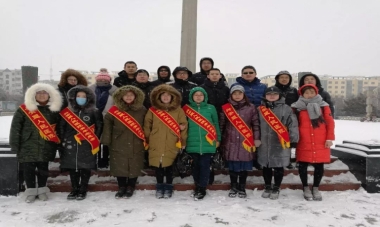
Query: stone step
[[65, 186]]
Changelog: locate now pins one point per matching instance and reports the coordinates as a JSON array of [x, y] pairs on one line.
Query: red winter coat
[[311, 145]]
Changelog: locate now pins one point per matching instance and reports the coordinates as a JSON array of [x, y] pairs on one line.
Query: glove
[[293, 145], [257, 143]]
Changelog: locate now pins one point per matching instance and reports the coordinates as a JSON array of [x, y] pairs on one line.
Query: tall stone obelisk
[[189, 34]]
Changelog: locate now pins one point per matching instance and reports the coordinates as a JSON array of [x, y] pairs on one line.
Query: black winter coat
[[290, 94], [184, 88], [147, 89], [218, 93], [123, 79], [73, 154], [200, 77]]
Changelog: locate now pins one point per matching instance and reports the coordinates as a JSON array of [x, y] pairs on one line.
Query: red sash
[[276, 125], [170, 122], [202, 122], [84, 132], [240, 126], [129, 122], [47, 131]]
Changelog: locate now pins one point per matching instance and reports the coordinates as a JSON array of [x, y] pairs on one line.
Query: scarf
[[102, 93], [313, 107]]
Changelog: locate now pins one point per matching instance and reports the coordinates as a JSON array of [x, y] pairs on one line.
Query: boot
[[74, 178], [275, 193], [307, 193], [73, 194], [121, 193], [317, 194], [168, 191], [196, 190], [233, 191], [267, 191], [200, 194], [31, 194], [82, 193], [160, 191], [41, 193], [129, 191], [290, 166], [242, 193]]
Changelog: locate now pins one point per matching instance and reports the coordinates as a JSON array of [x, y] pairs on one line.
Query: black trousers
[[318, 173], [126, 181], [242, 175], [30, 173], [103, 157], [164, 172], [278, 175], [79, 179]]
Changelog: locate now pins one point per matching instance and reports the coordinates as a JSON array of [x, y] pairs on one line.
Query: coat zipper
[[76, 158], [200, 137]]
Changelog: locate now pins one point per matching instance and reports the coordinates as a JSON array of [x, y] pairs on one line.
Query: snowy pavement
[[349, 208]]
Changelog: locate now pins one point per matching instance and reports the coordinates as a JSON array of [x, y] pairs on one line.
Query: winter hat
[[237, 88], [302, 89], [302, 80], [103, 75], [273, 89], [182, 68]]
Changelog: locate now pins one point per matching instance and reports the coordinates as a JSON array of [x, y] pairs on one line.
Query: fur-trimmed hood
[[55, 99], [137, 103], [156, 93], [73, 105], [71, 72]]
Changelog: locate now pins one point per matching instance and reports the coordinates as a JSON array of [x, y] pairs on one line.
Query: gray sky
[[334, 37]]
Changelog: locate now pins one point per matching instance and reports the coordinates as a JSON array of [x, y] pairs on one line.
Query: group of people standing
[[115, 124]]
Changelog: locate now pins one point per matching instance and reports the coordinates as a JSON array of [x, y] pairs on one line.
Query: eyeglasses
[[248, 72]]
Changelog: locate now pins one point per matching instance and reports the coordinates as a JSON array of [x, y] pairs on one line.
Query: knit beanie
[[237, 88], [103, 75]]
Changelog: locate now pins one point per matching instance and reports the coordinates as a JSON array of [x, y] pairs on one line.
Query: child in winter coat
[[240, 128], [279, 132], [165, 127], [316, 129], [203, 137], [33, 136], [80, 129], [125, 140]]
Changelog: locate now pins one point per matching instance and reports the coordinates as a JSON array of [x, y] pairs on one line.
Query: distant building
[[11, 81]]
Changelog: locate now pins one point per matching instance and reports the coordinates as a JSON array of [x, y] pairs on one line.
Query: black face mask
[[181, 82]]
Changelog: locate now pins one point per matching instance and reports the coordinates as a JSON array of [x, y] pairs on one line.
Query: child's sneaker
[[200, 194], [267, 191], [307, 193], [233, 191], [168, 191], [275, 193], [242, 193], [121, 193], [317, 196], [159, 191]]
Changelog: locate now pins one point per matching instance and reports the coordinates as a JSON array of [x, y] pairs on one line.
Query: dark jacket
[[231, 139], [184, 88], [147, 89], [75, 155], [271, 153], [325, 95], [64, 86], [218, 93], [109, 99], [288, 92], [123, 79], [126, 149], [255, 90], [161, 80], [200, 77], [25, 138], [196, 135]]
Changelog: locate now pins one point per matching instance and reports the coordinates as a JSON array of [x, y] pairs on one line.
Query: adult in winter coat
[[69, 79], [217, 92], [34, 149], [163, 74], [163, 141], [254, 89], [142, 82], [283, 82], [272, 155], [316, 128], [239, 159], [126, 76], [77, 157], [198, 146], [205, 64], [126, 149], [182, 84], [314, 79], [103, 91]]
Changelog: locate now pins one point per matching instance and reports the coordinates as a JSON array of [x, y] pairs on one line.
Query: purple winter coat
[[232, 140]]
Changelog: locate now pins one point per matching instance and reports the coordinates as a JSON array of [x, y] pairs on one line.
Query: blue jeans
[[201, 168]]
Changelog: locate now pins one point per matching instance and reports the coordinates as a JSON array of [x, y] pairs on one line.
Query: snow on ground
[[349, 208]]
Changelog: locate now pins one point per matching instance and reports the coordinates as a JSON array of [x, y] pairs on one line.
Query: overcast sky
[[334, 37]]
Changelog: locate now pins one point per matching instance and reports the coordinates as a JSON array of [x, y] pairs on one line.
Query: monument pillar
[[189, 34]]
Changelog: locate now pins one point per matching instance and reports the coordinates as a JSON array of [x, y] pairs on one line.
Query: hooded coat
[[64, 86], [270, 153], [75, 155], [123, 79], [325, 95], [231, 138], [218, 93], [147, 89], [199, 78], [126, 149], [24, 137], [196, 139], [162, 140], [183, 86], [109, 99], [161, 80], [290, 93], [254, 90]]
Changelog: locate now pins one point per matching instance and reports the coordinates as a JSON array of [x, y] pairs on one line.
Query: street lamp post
[[189, 34]]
